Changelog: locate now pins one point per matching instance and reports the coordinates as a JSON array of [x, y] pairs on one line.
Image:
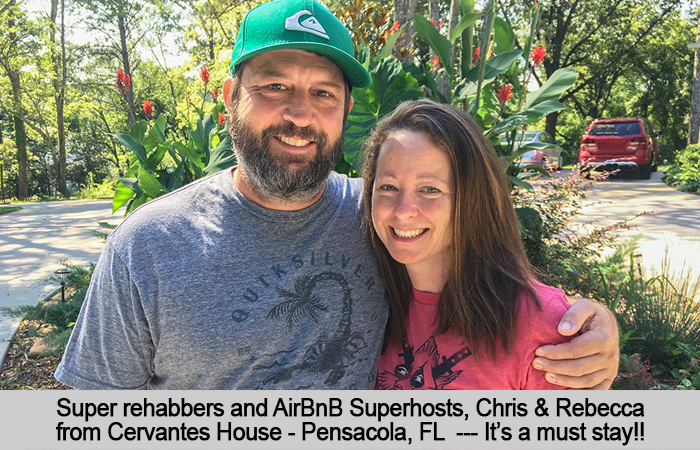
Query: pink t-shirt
[[445, 361]]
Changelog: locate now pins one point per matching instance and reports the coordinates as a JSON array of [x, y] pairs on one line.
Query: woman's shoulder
[[541, 323]]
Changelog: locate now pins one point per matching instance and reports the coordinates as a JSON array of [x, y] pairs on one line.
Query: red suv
[[625, 144]]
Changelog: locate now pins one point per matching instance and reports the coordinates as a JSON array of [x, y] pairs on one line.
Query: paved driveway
[[673, 229], [33, 240]]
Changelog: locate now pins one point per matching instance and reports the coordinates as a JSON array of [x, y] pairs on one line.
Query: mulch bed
[[20, 372]]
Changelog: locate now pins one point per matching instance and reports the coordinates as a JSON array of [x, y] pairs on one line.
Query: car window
[[615, 129]]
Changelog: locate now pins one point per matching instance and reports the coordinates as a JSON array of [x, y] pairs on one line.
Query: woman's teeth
[[407, 234]]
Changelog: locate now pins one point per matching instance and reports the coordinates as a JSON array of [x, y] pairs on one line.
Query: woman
[[467, 312]]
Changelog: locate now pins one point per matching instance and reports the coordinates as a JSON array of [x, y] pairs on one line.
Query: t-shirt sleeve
[[542, 326], [111, 346]]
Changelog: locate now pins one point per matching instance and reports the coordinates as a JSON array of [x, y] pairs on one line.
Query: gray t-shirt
[[203, 289]]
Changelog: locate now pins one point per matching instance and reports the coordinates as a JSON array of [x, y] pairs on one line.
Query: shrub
[[684, 175], [568, 257], [659, 316], [634, 374], [56, 320]]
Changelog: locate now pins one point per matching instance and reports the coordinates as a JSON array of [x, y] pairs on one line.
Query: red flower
[[148, 109], [537, 55], [475, 55], [442, 21], [432, 20], [222, 119], [504, 94], [204, 74], [535, 5], [394, 27], [122, 83], [435, 62], [215, 94]]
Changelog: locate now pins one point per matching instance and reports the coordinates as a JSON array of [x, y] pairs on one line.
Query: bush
[[57, 319], [684, 175], [568, 257], [634, 374], [659, 317]]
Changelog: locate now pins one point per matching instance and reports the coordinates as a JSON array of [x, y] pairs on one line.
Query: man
[[261, 277]]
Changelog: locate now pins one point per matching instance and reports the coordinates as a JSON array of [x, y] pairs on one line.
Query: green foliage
[[684, 174], [9, 209], [390, 86], [57, 319], [568, 257], [660, 315], [634, 374], [151, 175]]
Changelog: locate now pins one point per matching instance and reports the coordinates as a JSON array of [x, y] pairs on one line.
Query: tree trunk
[[20, 132], [403, 12], [694, 126], [21, 142], [127, 70], [59, 85]]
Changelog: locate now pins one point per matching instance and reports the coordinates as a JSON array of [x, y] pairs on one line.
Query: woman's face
[[412, 201]]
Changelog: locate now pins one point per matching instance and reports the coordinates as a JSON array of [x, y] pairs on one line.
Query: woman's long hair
[[490, 271]]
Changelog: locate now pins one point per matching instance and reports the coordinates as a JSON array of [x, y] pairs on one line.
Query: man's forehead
[[277, 60]]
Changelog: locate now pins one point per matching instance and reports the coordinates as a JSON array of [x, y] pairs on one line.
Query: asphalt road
[[35, 239]]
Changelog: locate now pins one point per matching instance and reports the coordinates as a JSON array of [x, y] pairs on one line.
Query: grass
[[9, 209]]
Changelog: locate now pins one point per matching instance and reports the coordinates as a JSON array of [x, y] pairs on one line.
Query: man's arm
[[590, 360]]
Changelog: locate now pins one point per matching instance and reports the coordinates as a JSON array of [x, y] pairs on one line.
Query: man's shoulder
[[348, 187], [178, 205]]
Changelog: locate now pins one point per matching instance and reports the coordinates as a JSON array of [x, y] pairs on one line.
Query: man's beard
[[271, 175]]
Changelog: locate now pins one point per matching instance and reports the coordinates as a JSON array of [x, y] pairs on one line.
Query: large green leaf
[[150, 184], [186, 151], [388, 48], [425, 78], [222, 157], [133, 184], [527, 117], [439, 43], [138, 130], [122, 195], [466, 21], [503, 37], [390, 86], [132, 144], [560, 81], [159, 127], [494, 67], [156, 157]]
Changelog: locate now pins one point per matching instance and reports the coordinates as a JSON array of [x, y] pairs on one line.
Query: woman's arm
[[588, 361]]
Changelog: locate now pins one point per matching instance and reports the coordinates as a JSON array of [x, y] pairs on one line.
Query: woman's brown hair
[[489, 271]]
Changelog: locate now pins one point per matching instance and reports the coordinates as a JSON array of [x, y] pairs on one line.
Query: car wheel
[[645, 172], [655, 165]]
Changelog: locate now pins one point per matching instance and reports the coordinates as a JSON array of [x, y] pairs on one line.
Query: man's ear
[[352, 102], [228, 86]]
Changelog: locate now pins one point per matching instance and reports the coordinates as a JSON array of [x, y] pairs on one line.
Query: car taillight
[[587, 142], [637, 141]]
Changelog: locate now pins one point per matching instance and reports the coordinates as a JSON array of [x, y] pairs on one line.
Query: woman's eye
[[432, 190], [387, 187]]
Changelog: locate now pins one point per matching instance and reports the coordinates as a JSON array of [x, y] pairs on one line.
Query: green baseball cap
[[298, 24]]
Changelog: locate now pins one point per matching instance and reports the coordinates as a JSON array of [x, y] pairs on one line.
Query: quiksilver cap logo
[[310, 25]]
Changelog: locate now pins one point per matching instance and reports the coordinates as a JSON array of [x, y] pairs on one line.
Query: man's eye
[[275, 87], [324, 94]]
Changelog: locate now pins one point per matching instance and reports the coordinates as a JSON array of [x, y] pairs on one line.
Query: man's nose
[[299, 110]]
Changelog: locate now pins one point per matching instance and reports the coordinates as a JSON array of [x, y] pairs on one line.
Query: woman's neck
[[428, 278]]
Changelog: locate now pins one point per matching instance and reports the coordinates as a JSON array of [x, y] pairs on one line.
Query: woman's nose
[[405, 205]]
